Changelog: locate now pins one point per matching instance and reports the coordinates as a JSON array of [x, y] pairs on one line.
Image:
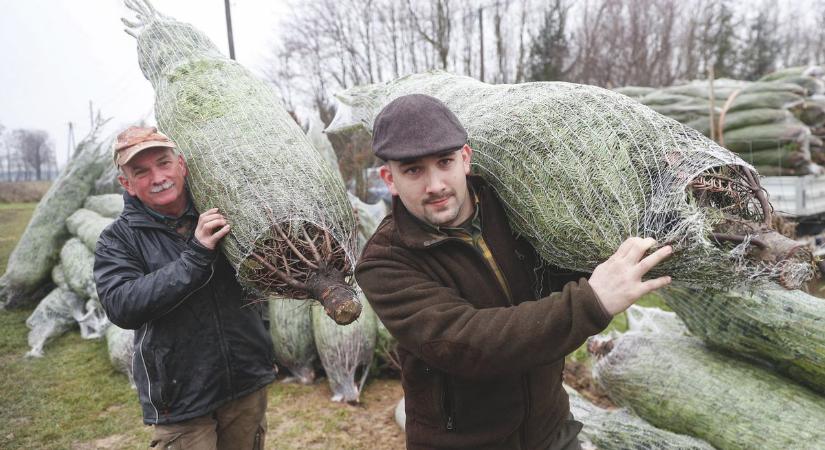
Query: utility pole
[[481, 39], [4, 143], [229, 30], [70, 143]]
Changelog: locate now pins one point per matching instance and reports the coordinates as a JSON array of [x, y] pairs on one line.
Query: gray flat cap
[[414, 126]]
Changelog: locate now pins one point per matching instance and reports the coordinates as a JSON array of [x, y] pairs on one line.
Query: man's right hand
[[618, 281], [211, 228]]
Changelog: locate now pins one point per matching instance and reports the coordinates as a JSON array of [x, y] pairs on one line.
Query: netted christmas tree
[[676, 383], [784, 328], [293, 231], [580, 169]]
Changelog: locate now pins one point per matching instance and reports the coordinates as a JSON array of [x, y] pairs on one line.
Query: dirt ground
[[578, 376], [303, 417]]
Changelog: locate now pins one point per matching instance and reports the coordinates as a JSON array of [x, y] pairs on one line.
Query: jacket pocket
[[495, 408], [160, 387], [423, 393]]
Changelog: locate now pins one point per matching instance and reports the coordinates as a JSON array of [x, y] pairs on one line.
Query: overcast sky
[[59, 54]]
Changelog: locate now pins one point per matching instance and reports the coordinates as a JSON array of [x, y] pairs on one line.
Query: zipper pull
[[450, 426]]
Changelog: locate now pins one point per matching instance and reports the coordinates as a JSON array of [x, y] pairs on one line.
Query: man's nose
[[157, 176], [435, 183]]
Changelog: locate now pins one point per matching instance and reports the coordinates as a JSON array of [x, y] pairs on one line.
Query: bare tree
[[34, 149], [550, 48], [762, 45], [436, 30]]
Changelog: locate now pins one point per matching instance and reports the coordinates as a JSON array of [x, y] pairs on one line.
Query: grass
[[71, 395], [23, 191], [13, 220]]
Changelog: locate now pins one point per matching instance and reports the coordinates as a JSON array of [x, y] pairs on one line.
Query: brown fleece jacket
[[477, 371]]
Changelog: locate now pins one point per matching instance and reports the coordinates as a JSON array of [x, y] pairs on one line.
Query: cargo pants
[[239, 424]]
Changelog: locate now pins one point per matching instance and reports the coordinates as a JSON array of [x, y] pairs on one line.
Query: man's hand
[[211, 228], [618, 281]]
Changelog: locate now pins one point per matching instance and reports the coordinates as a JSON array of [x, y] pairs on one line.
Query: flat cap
[[414, 126], [133, 140]]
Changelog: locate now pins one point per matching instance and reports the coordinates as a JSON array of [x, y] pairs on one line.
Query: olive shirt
[[481, 360]]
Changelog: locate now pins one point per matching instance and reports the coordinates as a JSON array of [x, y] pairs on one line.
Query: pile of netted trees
[[740, 371], [51, 266], [776, 123]]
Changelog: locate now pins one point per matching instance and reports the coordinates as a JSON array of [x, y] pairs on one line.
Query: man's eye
[[412, 170], [446, 161]]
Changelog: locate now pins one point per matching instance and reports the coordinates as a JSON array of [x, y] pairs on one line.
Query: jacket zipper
[[447, 404], [146, 330], [146, 370], [526, 381], [224, 349]]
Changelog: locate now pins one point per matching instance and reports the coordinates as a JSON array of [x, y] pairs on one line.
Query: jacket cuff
[[594, 306], [202, 254]]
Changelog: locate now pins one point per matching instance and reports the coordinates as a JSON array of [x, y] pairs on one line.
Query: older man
[[482, 325], [203, 357]]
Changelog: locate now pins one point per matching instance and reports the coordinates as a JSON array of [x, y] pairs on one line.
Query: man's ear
[[124, 181], [386, 174], [182, 163], [466, 157]]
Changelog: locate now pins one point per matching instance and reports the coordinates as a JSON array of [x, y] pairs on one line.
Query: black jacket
[[198, 344]]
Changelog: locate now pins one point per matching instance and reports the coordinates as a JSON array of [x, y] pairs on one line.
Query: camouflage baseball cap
[[134, 139]]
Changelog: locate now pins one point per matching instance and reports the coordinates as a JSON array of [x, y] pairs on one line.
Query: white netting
[[320, 142], [121, 345], [59, 277], [107, 205], [246, 156], [107, 182], [78, 262], [782, 327], [622, 430], [775, 123], [290, 324], [36, 252], [676, 383], [54, 315], [78, 268], [367, 218], [654, 320], [581, 168], [400, 414], [345, 351], [87, 225]]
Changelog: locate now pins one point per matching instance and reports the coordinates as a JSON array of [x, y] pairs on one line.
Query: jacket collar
[[138, 215], [416, 234]]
